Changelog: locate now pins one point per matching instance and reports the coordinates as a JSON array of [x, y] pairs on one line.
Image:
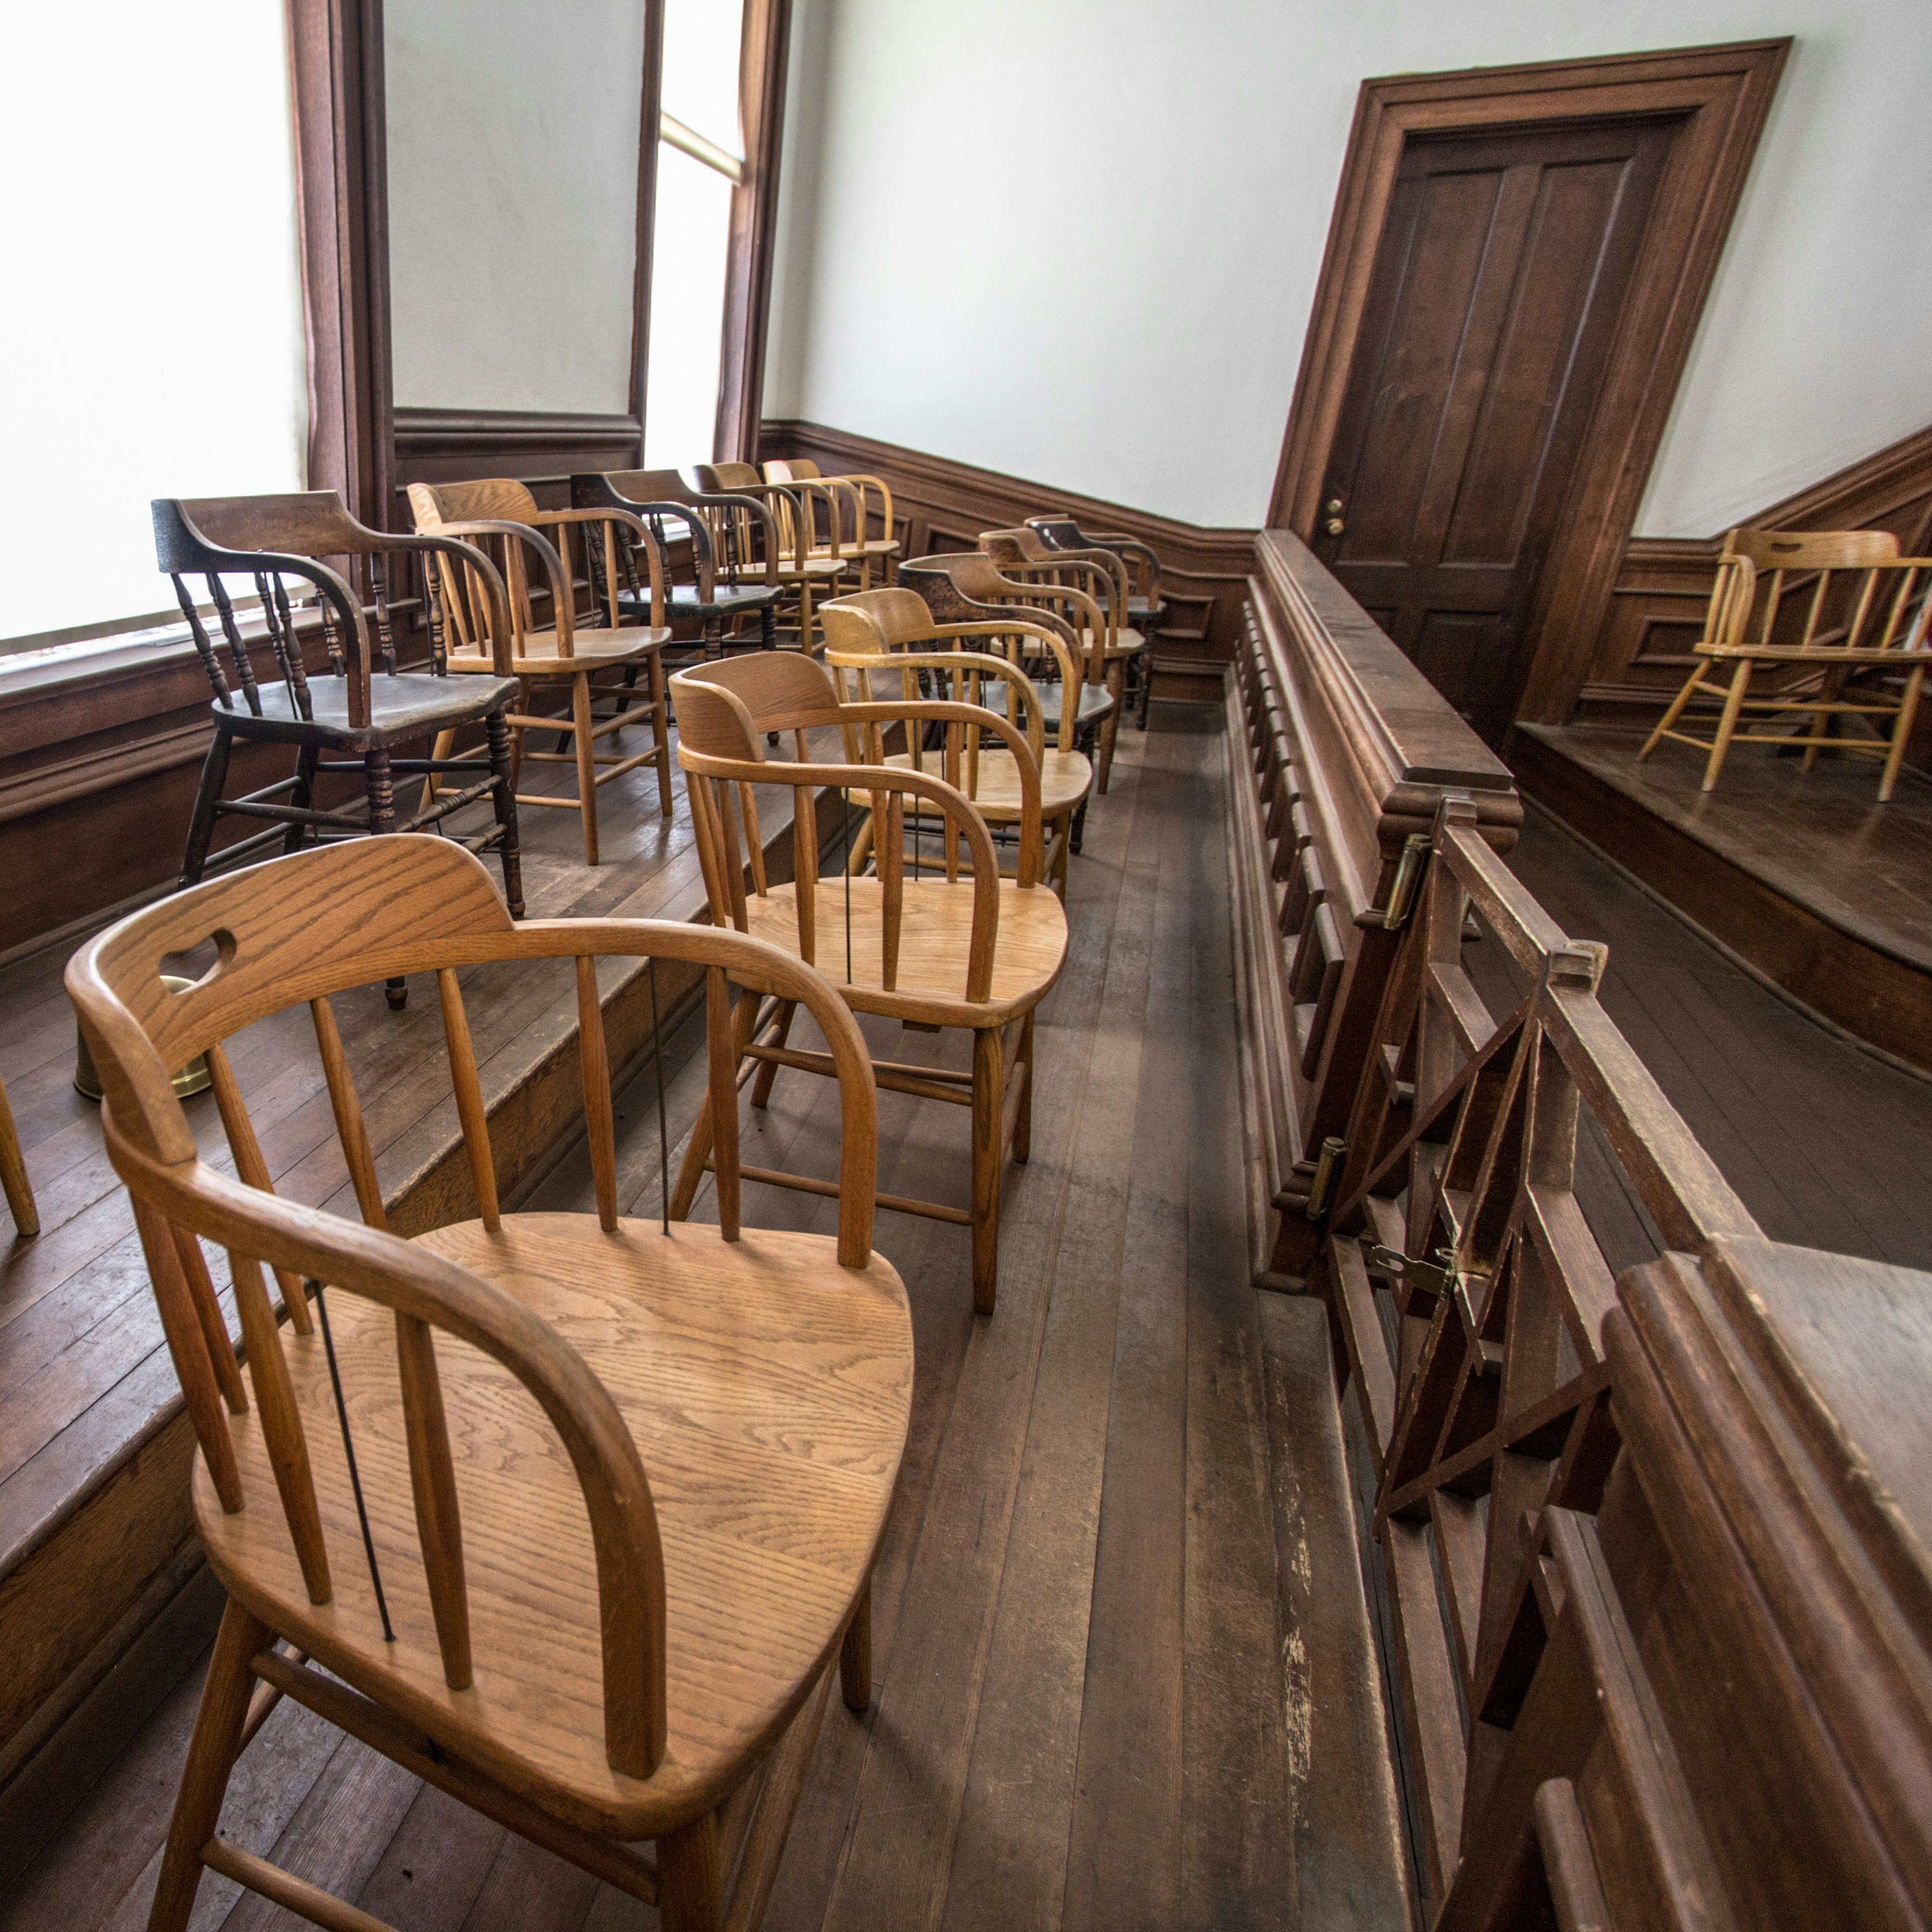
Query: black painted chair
[[348, 721]]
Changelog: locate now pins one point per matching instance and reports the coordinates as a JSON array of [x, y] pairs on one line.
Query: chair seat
[[724, 597], [406, 705], [1065, 777], [590, 650], [768, 1391], [1097, 702], [816, 568], [1139, 607], [1127, 643], [935, 931]]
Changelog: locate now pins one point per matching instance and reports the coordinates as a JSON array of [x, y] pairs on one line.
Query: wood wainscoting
[[1347, 752], [1642, 650], [940, 505]]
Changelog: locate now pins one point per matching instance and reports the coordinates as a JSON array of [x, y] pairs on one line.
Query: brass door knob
[[1334, 526], [1333, 506]]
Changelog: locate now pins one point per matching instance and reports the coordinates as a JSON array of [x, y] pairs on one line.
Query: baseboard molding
[[940, 505]]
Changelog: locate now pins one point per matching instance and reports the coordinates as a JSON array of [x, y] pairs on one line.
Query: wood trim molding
[[651, 99], [941, 505], [342, 197], [764, 51], [535, 446], [1721, 96]]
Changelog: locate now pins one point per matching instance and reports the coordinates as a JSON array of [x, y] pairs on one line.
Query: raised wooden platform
[[93, 1443], [1804, 875]]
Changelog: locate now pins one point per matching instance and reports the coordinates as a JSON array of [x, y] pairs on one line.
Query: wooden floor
[[1821, 837], [1828, 1144], [1100, 1701]]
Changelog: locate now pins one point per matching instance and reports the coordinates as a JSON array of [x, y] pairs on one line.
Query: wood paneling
[[533, 446], [1346, 751], [762, 58], [1721, 96], [943, 506]]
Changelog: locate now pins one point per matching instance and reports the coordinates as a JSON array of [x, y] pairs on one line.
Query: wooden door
[[1500, 276]]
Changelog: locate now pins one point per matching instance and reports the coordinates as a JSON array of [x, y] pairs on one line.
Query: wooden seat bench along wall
[[501, 514], [958, 947], [1856, 656], [879, 632], [358, 718], [432, 1518], [734, 580]]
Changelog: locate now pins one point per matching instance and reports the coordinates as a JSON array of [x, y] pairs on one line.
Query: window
[[153, 343], [700, 160]]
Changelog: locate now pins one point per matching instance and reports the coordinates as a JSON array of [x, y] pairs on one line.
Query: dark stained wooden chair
[[568, 1515], [350, 717], [1146, 609], [572, 650], [734, 578], [955, 945]]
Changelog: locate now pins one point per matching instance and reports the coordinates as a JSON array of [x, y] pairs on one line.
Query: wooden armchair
[[967, 587], [1857, 651], [882, 631], [959, 946], [734, 576], [492, 1520], [1101, 579], [501, 515], [860, 489], [349, 720], [1146, 609], [808, 570]]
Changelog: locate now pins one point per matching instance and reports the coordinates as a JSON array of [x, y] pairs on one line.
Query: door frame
[[1722, 95]]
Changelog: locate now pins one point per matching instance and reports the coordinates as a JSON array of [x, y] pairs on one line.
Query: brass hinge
[[1435, 1277]]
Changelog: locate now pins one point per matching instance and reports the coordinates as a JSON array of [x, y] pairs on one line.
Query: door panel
[[1502, 271]]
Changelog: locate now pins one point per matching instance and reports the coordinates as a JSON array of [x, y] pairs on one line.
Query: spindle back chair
[[956, 945], [734, 575], [500, 515], [879, 632], [1102, 578], [860, 488], [1146, 609], [434, 1521], [808, 569], [346, 721], [1864, 626]]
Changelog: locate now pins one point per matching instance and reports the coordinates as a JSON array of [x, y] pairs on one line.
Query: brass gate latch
[[1435, 1277]]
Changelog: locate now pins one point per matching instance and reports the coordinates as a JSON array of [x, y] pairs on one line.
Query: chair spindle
[[598, 1125], [721, 1045], [349, 1128], [470, 1110]]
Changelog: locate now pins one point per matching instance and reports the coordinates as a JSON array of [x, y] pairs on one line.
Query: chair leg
[[1023, 1071], [306, 759], [988, 1100], [689, 1897], [1901, 729], [661, 727], [1116, 679], [496, 732], [768, 1070], [381, 787], [1832, 689], [855, 1654], [211, 1759], [1734, 703], [19, 1189], [444, 747], [201, 824], [587, 764], [768, 625], [1676, 711]]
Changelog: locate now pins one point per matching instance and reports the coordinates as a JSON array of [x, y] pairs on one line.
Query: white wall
[[1078, 240], [513, 201]]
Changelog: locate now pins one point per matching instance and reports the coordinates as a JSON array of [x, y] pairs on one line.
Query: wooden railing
[[1649, 1488]]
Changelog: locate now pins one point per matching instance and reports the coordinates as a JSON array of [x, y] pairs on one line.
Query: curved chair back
[[724, 713], [1059, 532], [967, 587], [723, 530], [293, 933], [1020, 554], [1755, 599], [273, 538], [499, 514]]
